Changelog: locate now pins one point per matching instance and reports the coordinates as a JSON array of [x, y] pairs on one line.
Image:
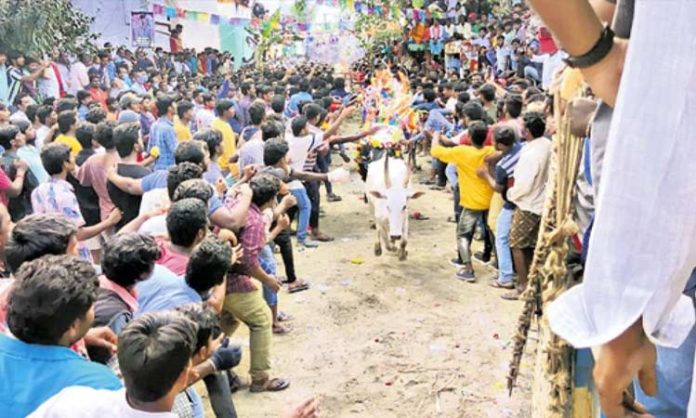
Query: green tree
[[35, 27]]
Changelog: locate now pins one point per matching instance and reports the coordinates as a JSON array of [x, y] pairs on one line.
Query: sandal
[[270, 385], [283, 317], [419, 216], [514, 295], [500, 285], [297, 289], [322, 238], [281, 329]]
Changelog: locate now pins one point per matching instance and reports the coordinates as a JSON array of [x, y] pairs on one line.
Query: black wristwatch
[[598, 52]]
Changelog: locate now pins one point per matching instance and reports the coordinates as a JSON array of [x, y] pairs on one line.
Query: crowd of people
[[144, 197]]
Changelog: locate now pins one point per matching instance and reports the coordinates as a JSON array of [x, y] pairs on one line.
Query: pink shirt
[[93, 174], [5, 183], [175, 262]]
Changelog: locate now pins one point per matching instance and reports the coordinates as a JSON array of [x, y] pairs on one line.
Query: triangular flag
[[214, 19], [203, 17], [170, 12]]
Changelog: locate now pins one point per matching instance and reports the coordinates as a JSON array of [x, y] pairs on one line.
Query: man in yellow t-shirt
[[474, 194], [227, 160], [67, 125], [185, 114]]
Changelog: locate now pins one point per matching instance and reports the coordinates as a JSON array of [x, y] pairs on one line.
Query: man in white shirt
[[79, 80], [45, 117], [154, 355], [205, 115], [528, 194]]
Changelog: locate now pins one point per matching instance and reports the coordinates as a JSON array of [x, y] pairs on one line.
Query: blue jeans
[[304, 206], [502, 245], [269, 266]]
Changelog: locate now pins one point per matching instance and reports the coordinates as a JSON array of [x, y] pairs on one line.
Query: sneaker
[[334, 198], [480, 258], [456, 262], [467, 276], [308, 243]]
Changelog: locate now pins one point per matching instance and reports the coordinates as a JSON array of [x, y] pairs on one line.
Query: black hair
[[66, 104], [339, 83], [37, 235], [474, 111], [298, 124], [128, 256], [85, 134], [153, 351], [186, 218], [504, 135], [207, 320], [270, 130], [535, 122], [513, 105], [311, 111], [478, 131], [429, 95], [487, 92], [278, 103], [7, 135], [54, 156], [180, 173], [265, 188], [21, 124], [223, 105], [104, 134], [66, 120], [19, 98], [95, 115], [183, 107], [212, 138], [209, 263], [43, 113], [164, 102], [463, 97], [245, 88], [274, 150], [49, 295], [189, 152], [31, 112], [257, 112], [125, 138], [304, 85], [82, 95], [193, 188]]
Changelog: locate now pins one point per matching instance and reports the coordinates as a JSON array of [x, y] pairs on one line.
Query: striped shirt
[[14, 79], [505, 169]]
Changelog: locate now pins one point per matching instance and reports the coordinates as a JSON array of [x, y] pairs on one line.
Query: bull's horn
[[387, 178], [409, 172]]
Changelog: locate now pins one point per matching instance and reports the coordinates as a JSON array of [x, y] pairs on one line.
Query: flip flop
[[498, 285], [272, 385], [297, 289], [283, 317], [281, 330], [323, 238], [514, 295]]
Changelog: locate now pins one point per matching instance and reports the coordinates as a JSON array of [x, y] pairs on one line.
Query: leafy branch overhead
[[36, 27]]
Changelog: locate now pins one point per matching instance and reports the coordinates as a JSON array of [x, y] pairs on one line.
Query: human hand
[[245, 191], [227, 356], [249, 172], [21, 166], [288, 202], [237, 254], [374, 130], [309, 408], [604, 77], [617, 364], [157, 212], [283, 221], [102, 337], [114, 217], [481, 172], [274, 285], [228, 236], [221, 186]]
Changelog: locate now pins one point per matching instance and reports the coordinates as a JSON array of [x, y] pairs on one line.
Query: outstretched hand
[[309, 408]]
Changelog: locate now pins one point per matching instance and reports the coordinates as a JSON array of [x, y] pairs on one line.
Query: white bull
[[388, 187]]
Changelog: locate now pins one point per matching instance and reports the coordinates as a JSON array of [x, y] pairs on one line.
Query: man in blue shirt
[[51, 307], [162, 133], [302, 96]]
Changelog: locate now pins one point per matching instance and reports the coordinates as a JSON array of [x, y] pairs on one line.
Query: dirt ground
[[375, 337]]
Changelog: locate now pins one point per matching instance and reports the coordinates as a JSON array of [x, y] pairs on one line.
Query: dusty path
[[392, 339]]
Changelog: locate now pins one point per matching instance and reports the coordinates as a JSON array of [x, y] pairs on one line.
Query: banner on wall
[[143, 29]]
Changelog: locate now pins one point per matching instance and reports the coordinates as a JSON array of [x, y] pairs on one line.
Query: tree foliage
[[35, 27]]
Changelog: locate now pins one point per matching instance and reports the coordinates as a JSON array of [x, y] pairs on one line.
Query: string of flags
[[215, 19]]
